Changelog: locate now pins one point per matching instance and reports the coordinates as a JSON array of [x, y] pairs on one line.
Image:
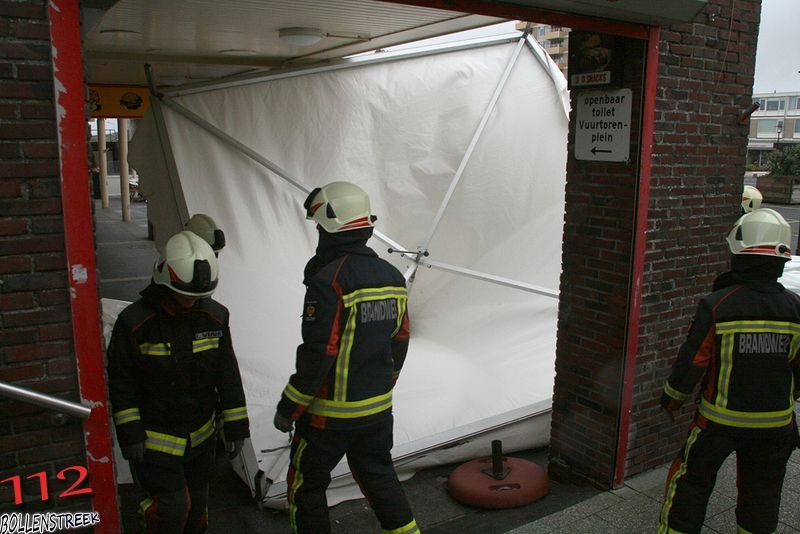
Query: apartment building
[[554, 40], [775, 123]]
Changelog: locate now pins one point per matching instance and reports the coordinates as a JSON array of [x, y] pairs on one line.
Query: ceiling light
[[300, 36], [237, 52]]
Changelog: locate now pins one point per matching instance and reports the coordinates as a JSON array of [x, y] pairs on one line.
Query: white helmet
[[339, 207], [763, 232], [187, 266], [751, 199], [206, 227]]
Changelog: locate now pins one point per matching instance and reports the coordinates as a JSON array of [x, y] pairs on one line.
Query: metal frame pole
[[468, 154]]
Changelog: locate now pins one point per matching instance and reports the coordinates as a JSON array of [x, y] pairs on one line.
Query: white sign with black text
[[603, 125]]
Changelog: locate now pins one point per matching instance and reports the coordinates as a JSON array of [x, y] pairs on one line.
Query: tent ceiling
[[188, 41]]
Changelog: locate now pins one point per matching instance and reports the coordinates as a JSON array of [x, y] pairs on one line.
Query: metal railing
[[46, 401]]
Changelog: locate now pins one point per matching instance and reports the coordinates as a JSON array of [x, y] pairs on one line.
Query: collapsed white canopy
[[463, 152]]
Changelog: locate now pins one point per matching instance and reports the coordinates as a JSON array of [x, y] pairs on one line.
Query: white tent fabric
[[483, 345], [791, 275]]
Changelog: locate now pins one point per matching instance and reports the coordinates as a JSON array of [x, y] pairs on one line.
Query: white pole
[[124, 191], [101, 156]]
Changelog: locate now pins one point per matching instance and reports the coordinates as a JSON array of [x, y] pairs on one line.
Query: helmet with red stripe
[[762, 232], [188, 266], [339, 207]]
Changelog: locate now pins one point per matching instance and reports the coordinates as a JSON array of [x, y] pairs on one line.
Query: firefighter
[[751, 199], [742, 347], [355, 335], [170, 361]]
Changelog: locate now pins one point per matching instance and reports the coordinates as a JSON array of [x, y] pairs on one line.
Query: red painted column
[[639, 249], [70, 112]]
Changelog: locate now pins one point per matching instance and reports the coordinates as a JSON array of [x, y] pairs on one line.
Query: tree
[[784, 162]]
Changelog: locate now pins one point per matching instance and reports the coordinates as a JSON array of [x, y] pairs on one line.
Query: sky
[[778, 51]]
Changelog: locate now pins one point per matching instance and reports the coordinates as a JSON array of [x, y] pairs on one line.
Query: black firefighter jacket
[[170, 370], [355, 337], [743, 342]]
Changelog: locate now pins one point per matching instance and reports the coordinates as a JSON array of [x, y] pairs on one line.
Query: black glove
[[670, 405], [133, 452], [284, 424], [235, 447]]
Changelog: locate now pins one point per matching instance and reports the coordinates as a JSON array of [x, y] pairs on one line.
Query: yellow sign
[[115, 101]]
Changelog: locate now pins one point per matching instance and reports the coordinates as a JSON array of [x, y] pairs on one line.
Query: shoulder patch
[[310, 311]]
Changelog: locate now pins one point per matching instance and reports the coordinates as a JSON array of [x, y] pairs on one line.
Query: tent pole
[[467, 155], [492, 279], [166, 149], [232, 141]]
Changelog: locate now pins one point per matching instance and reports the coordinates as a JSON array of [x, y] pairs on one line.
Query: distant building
[[775, 123], [554, 40]]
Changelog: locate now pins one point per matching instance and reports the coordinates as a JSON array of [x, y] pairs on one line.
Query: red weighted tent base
[[477, 484]]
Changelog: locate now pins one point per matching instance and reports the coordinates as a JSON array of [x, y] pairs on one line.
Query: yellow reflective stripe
[[127, 416], [145, 505], [410, 528], [296, 396], [725, 369], [663, 523], [209, 343], [343, 358], [296, 483], [777, 327], [735, 418], [156, 349], [742, 530], [156, 441], [373, 293], [351, 409], [234, 414], [402, 304], [674, 393], [203, 433]]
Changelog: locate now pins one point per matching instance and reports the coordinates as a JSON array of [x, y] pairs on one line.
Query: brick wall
[[35, 322], [598, 243], [705, 81]]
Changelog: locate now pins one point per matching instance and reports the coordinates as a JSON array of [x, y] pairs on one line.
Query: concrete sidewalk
[[634, 508], [125, 259]]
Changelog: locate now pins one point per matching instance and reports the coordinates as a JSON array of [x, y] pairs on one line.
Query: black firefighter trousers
[[316, 452], [761, 457], [177, 491]]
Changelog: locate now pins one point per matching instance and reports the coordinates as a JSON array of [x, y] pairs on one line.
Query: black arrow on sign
[[595, 150]]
